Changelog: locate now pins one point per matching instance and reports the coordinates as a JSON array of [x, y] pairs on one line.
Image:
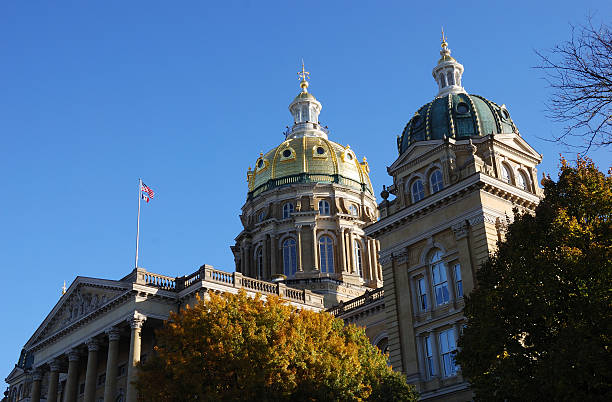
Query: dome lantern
[[305, 109], [448, 72]]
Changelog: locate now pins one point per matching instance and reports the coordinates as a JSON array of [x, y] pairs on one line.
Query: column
[[352, 253], [92, 370], [72, 383], [298, 229], [136, 323], [55, 367], [461, 232], [110, 385], [315, 256], [341, 251], [264, 257], [273, 252], [36, 378], [372, 259], [242, 260]]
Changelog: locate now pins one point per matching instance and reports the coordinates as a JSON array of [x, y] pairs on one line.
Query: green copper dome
[[456, 115]]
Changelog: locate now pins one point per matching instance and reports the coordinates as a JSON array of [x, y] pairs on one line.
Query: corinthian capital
[[137, 320]]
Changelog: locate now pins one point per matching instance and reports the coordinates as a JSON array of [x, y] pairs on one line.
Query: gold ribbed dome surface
[[308, 160]]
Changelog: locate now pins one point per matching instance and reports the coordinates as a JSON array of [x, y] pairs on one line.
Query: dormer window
[[353, 210], [505, 173], [435, 180]]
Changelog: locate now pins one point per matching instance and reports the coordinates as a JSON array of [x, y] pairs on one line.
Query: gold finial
[[304, 76], [444, 44], [64, 288]]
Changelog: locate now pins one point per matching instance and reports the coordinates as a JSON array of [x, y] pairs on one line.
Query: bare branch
[[579, 71]]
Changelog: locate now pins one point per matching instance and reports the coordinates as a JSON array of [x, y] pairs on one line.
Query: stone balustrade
[[353, 304]]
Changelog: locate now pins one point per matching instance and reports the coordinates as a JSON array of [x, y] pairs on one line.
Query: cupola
[[448, 72], [305, 109]]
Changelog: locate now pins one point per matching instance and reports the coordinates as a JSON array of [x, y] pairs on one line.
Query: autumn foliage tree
[[233, 347], [540, 321]]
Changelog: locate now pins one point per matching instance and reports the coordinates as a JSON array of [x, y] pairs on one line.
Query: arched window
[[261, 216], [358, 261], [418, 192], [287, 210], [436, 181], [326, 254], [353, 210], [449, 78], [383, 345], [289, 257], [438, 276], [521, 181], [259, 263], [442, 81], [324, 207], [505, 173]]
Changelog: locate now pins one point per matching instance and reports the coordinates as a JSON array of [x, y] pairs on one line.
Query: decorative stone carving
[[73, 355], [460, 230], [137, 320], [113, 334], [93, 345], [37, 374], [55, 365]]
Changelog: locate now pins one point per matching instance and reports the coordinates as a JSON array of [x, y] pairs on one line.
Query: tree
[[233, 347], [580, 73], [539, 323]]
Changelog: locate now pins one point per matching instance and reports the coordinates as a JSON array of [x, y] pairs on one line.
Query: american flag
[[147, 192]]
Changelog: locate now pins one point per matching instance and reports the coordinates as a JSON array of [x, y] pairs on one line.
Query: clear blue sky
[[94, 95]]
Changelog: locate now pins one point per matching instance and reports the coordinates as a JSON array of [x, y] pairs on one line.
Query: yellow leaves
[[225, 341]]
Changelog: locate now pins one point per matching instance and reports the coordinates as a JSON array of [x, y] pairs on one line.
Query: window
[[447, 347], [383, 345], [458, 281], [438, 273], [436, 181], [101, 379], [429, 357], [261, 216], [259, 262], [505, 174], [353, 210], [81, 388], [121, 370], [324, 207], [287, 210], [450, 78], [422, 294], [289, 257], [418, 192], [522, 181], [358, 262], [326, 254]]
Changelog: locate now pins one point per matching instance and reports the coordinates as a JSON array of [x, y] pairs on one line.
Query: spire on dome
[[448, 71], [304, 76]]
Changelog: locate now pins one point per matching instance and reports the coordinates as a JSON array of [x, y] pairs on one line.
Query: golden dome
[[308, 160]]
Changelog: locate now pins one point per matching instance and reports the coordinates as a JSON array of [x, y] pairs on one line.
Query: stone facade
[[88, 346]]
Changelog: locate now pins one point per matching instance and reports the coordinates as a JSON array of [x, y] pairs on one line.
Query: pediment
[[518, 144], [84, 297], [413, 152], [14, 374]]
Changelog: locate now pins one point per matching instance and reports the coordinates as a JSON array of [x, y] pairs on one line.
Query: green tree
[[233, 347], [539, 322]]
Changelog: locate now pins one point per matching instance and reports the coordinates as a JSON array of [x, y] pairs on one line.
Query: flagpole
[[138, 220]]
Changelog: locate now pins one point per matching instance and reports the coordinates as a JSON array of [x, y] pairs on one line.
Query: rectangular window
[[101, 379], [458, 282], [81, 388], [422, 294], [429, 357], [447, 347], [440, 283]]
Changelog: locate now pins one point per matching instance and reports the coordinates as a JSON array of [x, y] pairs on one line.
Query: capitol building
[[313, 233]]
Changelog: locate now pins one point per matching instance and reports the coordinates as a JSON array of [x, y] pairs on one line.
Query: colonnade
[[76, 358], [344, 259]]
